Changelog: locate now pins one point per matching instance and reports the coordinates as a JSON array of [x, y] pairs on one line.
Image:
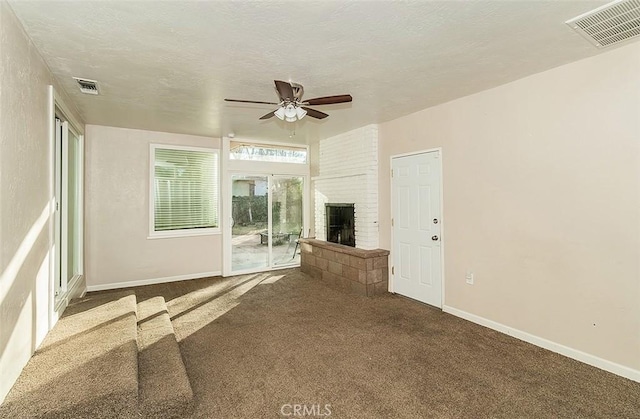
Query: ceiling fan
[[291, 106]]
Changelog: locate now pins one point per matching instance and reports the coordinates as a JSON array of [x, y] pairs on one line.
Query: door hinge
[[57, 206], [392, 222], [393, 270]]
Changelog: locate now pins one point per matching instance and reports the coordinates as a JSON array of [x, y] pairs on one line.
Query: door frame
[[442, 217], [229, 167], [76, 286], [228, 245]]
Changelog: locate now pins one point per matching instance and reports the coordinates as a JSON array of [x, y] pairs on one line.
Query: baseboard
[[79, 288], [76, 289], [151, 281], [592, 360]]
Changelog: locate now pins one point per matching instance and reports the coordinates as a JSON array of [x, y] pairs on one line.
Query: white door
[[415, 183]]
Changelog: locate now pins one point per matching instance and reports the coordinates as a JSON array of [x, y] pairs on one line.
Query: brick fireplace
[[348, 173], [347, 181]]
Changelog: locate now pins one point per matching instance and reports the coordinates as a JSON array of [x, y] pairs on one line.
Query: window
[[184, 196], [270, 153]]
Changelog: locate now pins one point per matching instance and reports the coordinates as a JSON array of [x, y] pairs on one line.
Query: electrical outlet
[[469, 277]]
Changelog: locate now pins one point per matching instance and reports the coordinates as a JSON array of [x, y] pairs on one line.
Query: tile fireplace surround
[[358, 271]]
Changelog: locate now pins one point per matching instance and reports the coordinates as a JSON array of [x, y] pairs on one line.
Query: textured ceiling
[[167, 66]]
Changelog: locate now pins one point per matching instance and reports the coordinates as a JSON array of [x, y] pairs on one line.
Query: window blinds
[[185, 189]]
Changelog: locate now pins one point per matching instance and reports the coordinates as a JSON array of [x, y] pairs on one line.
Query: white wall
[[26, 293], [348, 173], [118, 252], [542, 202]]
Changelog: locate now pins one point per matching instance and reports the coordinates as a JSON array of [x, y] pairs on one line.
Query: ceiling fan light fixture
[[300, 113], [280, 113], [290, 112]]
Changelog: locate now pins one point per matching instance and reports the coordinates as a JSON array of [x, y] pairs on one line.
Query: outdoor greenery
[[250, 213], [252, 210]]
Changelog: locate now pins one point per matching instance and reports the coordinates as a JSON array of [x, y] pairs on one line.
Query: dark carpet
[[256, 346], [282, 344]]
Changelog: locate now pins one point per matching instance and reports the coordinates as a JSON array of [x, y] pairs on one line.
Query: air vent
[[610, 24], [87, 86]]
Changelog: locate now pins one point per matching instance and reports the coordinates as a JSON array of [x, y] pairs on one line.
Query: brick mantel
[[359, 271]]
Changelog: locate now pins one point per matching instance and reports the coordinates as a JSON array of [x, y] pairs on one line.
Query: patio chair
[[297, 244]]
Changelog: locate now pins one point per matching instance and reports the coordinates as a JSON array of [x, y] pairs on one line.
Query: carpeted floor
[[87, 366], [255, 346]]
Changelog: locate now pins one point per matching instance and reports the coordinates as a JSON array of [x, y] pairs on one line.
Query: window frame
[[189, 232]]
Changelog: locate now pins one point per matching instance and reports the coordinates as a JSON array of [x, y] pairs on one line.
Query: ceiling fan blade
[[269, 115], [251, 101], [328, 100], [315, 114], [285, 91]]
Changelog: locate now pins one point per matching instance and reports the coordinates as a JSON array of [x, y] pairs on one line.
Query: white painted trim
[[413, 153], [442, 237], [269, 219], [184, 148], [252, 166], [58, 234], [52, 205], [76, 126], [64, 211], [170, 234], [355, 174], [256, 168], [150, 281], [576, 354], [226, 207], [442, 225], [80, 209], [269, 142], [73, 286]]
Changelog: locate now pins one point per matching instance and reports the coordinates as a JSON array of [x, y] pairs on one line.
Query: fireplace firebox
[[340, 221]]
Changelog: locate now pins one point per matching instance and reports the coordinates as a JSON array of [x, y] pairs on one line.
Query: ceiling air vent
[[87, 86], [610, 24]]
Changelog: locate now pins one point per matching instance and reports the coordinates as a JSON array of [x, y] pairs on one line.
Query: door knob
[[434, 238]]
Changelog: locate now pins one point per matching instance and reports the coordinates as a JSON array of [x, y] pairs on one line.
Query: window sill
[[183, 233]]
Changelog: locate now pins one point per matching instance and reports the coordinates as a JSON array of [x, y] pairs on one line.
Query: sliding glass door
[[68, 207], [71, 208], [250, 222], [286, 210], [267, 220]]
